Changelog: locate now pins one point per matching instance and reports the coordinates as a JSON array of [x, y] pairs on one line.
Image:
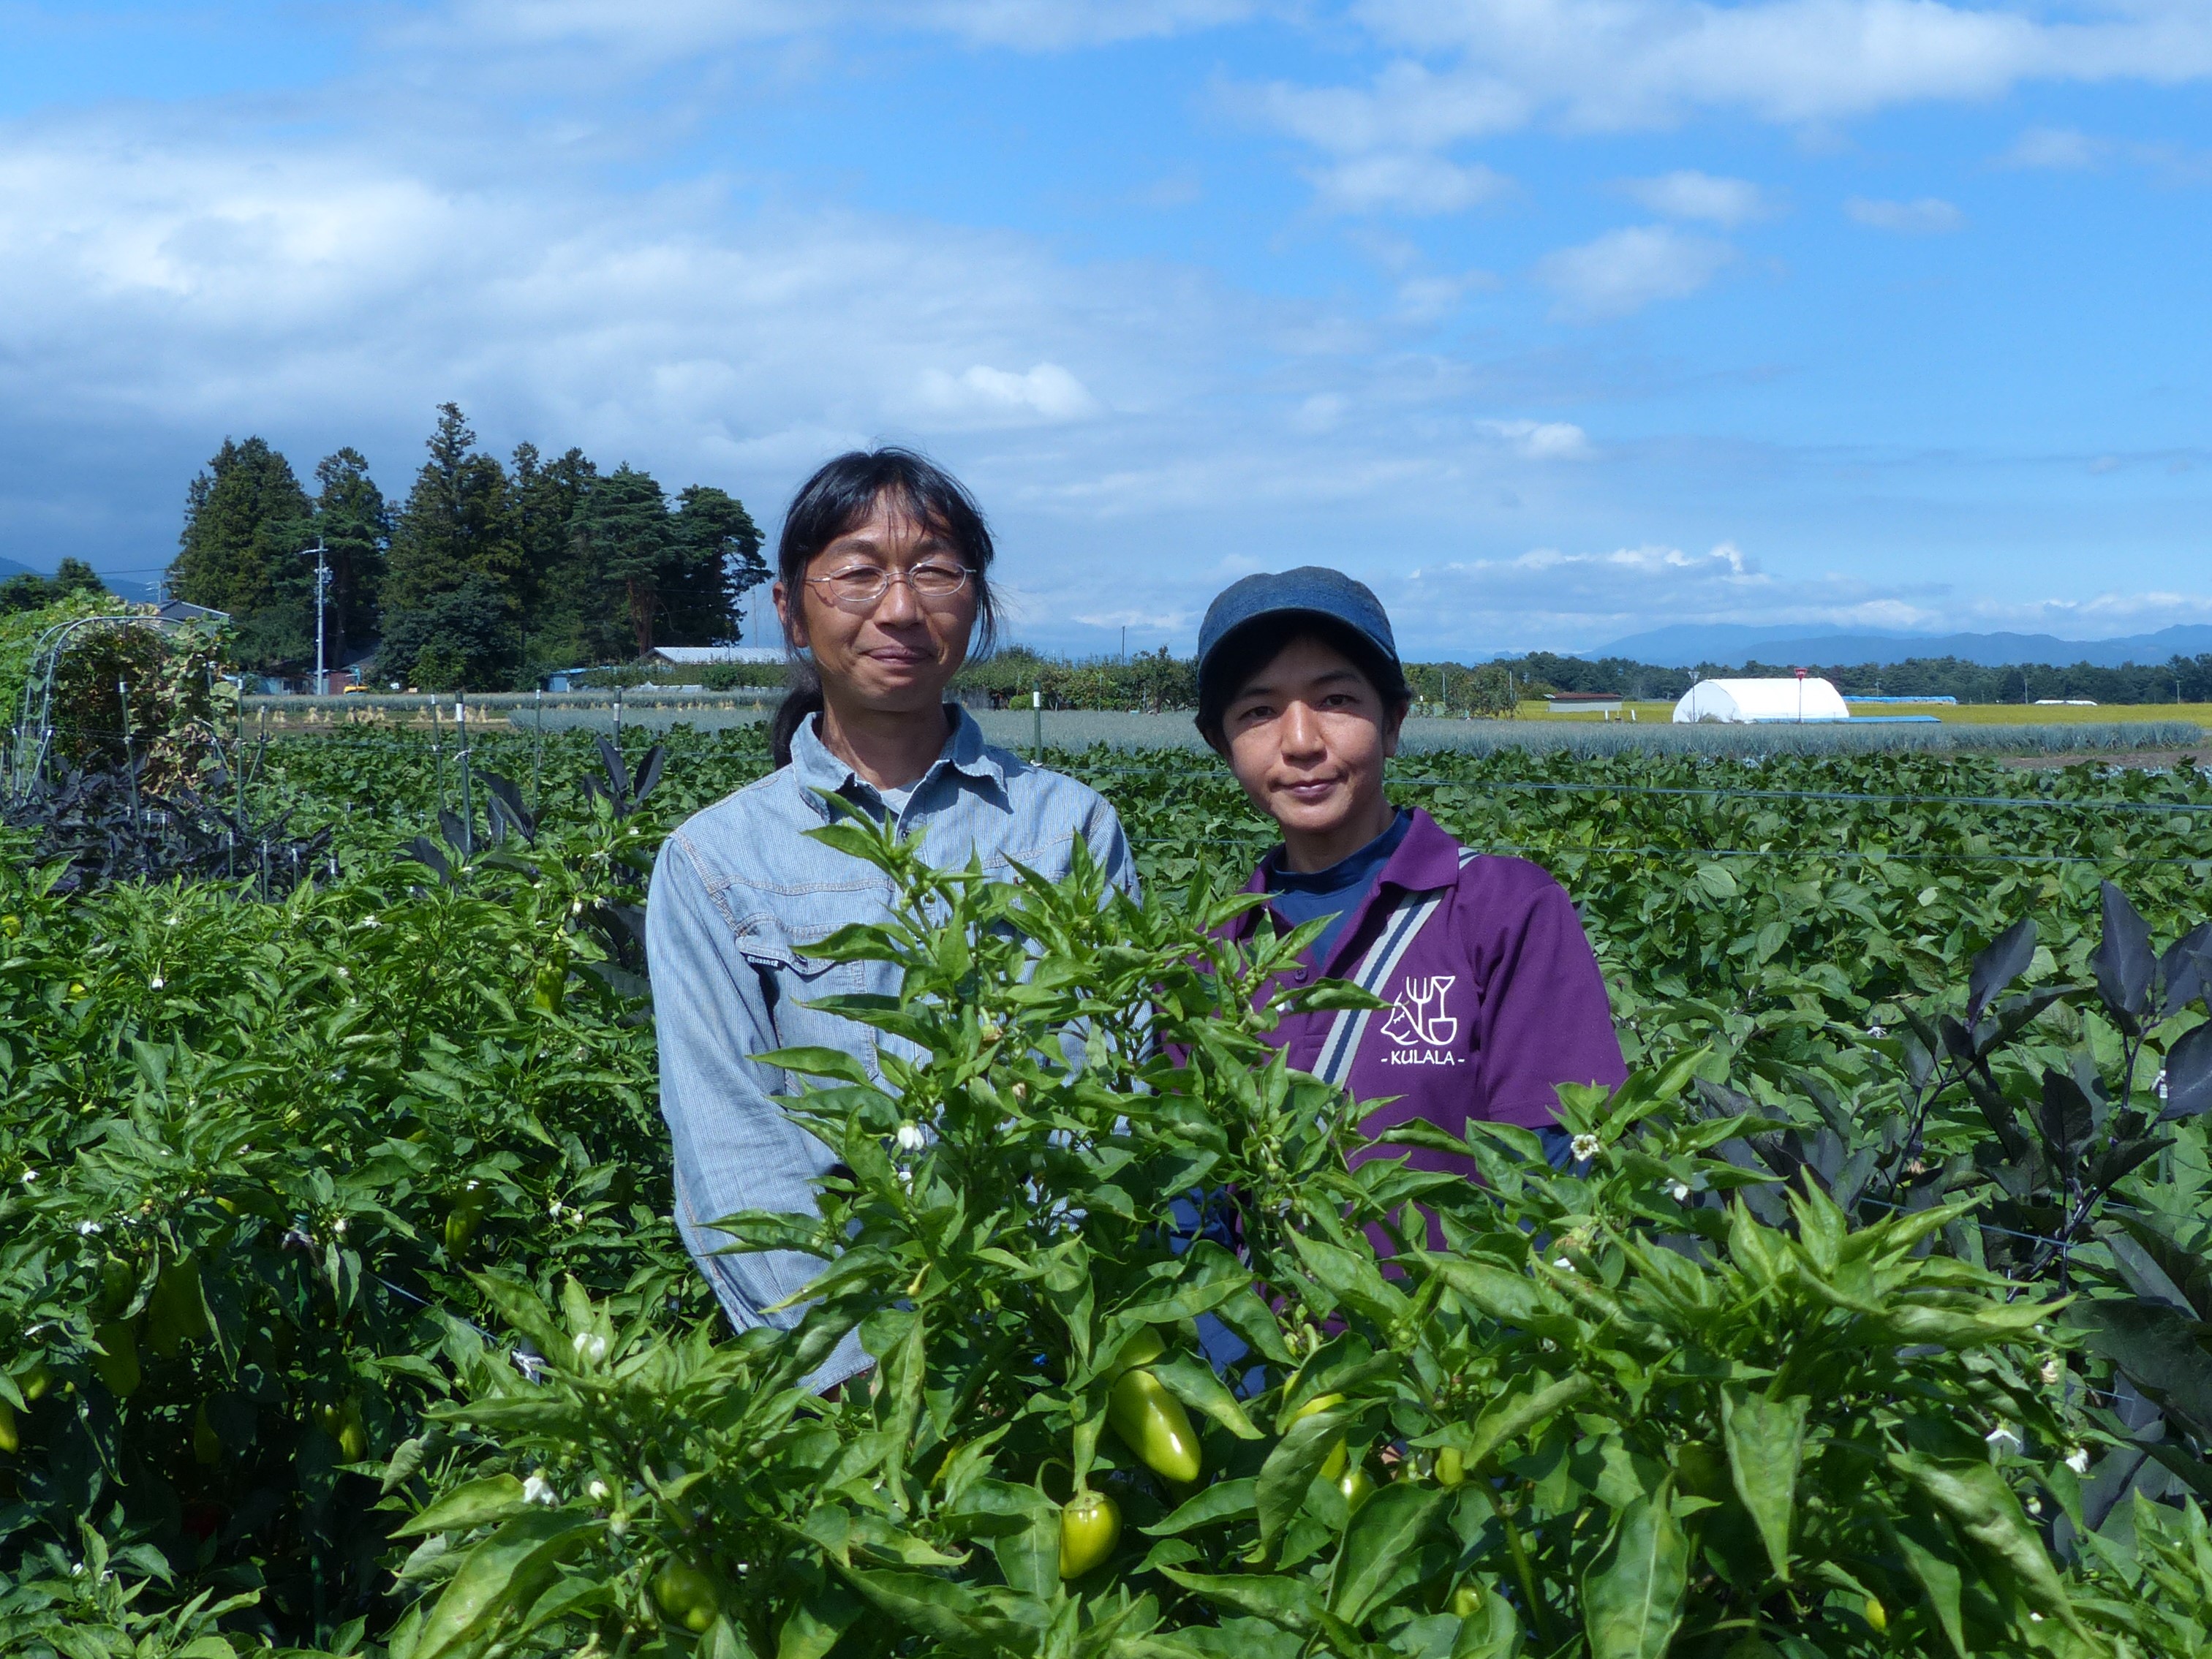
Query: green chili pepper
[[685, 1594], [1356, 1487], [1332, 1467], [1466, 1601], [465, 1217], [1090, 1527], [1155, 1425], [207, 1444], [117, 1367], [11, 1440], [1451, 1466], [177, 1313]]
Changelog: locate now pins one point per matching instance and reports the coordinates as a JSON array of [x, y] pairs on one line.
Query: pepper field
[[340, 1311]]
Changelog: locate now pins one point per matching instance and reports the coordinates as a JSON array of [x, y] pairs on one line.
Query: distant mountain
[[10, 567], [1686, 645]]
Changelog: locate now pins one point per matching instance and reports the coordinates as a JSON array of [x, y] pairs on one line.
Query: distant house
[[702, 656], [1745, 702], [176, 610], [1582, 702]]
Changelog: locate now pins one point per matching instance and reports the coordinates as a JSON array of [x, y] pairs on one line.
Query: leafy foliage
[[1874, 1325]]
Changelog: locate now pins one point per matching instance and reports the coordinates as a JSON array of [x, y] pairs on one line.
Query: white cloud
[[1928, 216], [1046, 392], [1624, 271], [2064, 149], [2103, 616], [1689, 194], [1408, 182], [1542, 440], [1581, 600], [2058, 147], [1617, 64], [676, 28]]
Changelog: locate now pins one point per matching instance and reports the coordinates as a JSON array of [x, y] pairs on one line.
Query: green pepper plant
[[1612, 1414]]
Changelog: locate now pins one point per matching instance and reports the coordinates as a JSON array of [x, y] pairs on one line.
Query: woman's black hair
[[1260, 641], [836, 500]]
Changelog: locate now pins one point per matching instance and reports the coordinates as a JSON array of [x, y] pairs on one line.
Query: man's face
[[1307, 736]]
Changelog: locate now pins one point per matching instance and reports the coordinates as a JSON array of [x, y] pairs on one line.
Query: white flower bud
[[538, 1490], [589, 1347], [2078, 1459], [598, 1492], [1586, 1148], [911, 1138]]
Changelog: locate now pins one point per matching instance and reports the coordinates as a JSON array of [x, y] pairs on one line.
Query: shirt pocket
[[794, 979]]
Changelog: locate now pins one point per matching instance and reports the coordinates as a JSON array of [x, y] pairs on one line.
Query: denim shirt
[[739, 893]]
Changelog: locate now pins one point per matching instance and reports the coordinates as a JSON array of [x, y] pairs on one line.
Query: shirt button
[[1302, 976]]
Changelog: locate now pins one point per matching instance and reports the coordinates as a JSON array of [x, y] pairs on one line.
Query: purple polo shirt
[[1497, 999]]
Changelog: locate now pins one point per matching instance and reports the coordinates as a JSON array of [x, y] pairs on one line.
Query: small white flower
[[911, 1138], [340, 1226], [577, 908], [1877, 1032], [87, 1229], [2002, 1438], [29, 1176], [1586, 1148], [598, 1492], [538, 1490], [1679, 1191], [554, 1209], [2158, 1086], [158, 981], [1563, 1264], [2078, 1459], [173, 921], [2051, 1369], [589, 1347]]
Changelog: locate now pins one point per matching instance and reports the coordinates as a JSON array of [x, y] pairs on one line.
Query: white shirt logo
[[1417, 1018]]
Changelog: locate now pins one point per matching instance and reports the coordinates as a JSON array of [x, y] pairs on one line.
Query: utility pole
[[322, 590]]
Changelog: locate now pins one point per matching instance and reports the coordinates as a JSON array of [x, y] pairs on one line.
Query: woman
[[883, 578], [1494, 997]]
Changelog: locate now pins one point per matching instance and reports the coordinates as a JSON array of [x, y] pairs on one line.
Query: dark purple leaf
[[2189, 1075], [2005, 961], [2124, 960]]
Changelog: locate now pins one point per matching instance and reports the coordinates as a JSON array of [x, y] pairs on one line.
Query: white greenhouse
[[1739, 703]]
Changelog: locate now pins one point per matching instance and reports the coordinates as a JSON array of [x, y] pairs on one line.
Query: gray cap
[[1311, 590]]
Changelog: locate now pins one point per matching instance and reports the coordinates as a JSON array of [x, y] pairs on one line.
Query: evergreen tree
[[31, 592], [454, 541], [719, 562], [356, 529], [245, 521], [629, 545], [457, 522], [567, 620]]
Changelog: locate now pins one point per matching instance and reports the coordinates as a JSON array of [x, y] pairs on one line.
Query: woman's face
[[1307, 736], [897, 654]]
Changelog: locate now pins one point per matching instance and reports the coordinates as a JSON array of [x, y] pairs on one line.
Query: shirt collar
[[1427, 859], [823, 772]]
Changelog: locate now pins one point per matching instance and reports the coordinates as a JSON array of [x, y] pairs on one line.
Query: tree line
[[485, 576], [2180, 679]]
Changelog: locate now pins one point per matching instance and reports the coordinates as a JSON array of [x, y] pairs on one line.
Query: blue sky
[[1554, 319]]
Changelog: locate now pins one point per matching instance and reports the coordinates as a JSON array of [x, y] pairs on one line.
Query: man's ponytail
[[801, 701]]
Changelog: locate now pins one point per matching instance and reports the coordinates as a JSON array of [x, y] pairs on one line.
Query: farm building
[[1744, 703], [699, 656]]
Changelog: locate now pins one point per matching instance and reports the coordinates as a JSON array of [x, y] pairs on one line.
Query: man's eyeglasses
[[862, 587]]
